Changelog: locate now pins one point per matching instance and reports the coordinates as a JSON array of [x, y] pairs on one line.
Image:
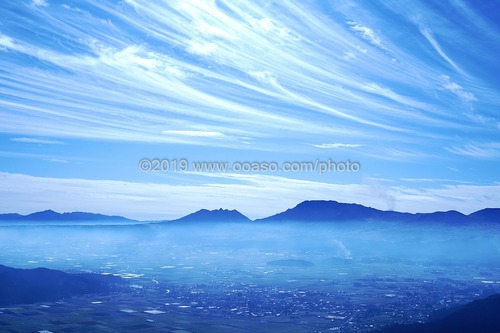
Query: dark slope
[[21, 286], [50, 215], [481, 316], [331, 211], [491, 215], [217, 215]]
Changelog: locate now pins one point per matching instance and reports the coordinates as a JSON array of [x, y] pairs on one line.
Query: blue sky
[[409, 89]]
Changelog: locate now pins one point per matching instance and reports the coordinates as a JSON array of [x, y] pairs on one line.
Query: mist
[[370, 274], [113, 249]]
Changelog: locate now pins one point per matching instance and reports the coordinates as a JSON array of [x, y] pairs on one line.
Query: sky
[[407, 90]]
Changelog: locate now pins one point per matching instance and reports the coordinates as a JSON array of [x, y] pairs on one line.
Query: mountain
[[451, 216], [216, 215], [323, 211], [329, 211], [50, 215], [22, 286], [477, 316], [486, 215]]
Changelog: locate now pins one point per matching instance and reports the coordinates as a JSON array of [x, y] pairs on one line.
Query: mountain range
[[50, 215], [307, 211], [325, 211]]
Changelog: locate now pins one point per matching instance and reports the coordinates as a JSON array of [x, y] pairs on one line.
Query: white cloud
[[201, 47], [453, 87], [428, 35], [57, 160], [479, 151], [37, 141], [68, 7], [264, 77], [208, 134], [349, 55], [377, 89], [434, 180], [264, 25], [6, 42], [267, 26], [206, 29], [40, 3], [338, 145], [366, 33]]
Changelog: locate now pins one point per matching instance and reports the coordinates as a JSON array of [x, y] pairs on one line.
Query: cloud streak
[[366, 33], [488, 151], [37, 141], [430, 38], [337, 145], [453, 87]]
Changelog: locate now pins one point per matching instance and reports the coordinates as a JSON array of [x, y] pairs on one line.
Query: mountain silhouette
[[320, 211], [216, 215], [324, 211], [486, 215], [477, 316], [22, 286], [50, 215], [451, 216], [306, 211], [331, 211]]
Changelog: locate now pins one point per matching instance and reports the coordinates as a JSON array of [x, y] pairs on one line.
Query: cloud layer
[[149, 71]]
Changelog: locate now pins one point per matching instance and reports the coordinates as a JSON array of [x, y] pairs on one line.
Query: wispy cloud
[[245, 75], [37, 141], [208, 134], [453, 87], [57, 160], [366, 33], [337, 145], [430, 38], [435, 180], [270, 80], [473, 17], [39, 3], [489, 150]]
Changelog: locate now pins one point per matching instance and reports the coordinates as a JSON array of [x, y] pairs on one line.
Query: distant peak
[[45, 212], [50, 215], [215, 215]]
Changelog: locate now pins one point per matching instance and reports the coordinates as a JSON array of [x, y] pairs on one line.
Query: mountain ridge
[[25, 286], [306, 211], [216, 215], [50, 215], [333, 211]]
